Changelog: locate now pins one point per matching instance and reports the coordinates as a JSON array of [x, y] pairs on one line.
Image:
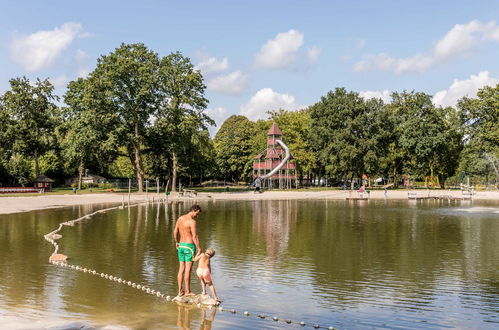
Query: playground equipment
[[270, 169], [258, 180]]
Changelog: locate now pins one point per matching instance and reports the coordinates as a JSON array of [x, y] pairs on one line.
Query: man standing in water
[[187, 247]]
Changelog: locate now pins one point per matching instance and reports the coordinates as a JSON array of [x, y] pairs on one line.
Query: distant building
[[88, 179], [43, 182], [272, 156]]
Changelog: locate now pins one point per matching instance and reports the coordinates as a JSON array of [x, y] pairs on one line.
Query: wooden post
[[129, 189]]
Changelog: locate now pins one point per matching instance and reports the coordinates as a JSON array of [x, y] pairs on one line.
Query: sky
[[257, 56]]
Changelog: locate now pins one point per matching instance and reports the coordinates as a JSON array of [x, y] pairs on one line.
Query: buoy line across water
[[53, 235]]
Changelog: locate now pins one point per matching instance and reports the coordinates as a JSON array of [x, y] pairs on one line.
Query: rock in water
[[202, 299], [58, 257]]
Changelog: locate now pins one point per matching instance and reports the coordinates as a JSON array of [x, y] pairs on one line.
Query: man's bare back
[[185, 226]]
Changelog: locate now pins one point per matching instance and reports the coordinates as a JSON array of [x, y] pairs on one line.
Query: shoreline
[[18, 204]]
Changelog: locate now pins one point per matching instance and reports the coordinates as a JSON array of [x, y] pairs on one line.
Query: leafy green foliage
[[33, 115], [234, 152], [345, 133], [480, 124]]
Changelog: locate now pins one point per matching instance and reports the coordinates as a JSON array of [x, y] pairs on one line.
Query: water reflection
[[274, 220], [187, 318], [345, 264]]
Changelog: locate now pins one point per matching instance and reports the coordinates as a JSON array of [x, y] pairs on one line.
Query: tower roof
[[274, 130]]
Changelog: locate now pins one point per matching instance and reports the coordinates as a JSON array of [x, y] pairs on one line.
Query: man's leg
[[187, 278], [180, 277]]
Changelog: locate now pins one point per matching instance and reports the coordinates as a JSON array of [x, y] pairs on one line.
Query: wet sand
[[30, 203]]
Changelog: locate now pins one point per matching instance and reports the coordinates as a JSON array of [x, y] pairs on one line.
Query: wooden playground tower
[[270, 158]]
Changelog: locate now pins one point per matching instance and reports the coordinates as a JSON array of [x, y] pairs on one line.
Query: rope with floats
[[53, 236]]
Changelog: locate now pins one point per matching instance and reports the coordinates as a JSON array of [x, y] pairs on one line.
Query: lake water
[[349, 265]]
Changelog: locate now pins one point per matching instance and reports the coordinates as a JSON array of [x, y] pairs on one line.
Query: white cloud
[[460, 88], [384, 95], [313, 54], [266, 100], [40, 49], [212, 64], [279, 53], [233, 83], [461, 40], [81, 56], [59, 81]]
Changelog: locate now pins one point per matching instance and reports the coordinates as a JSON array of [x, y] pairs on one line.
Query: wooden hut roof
[[43, 178]]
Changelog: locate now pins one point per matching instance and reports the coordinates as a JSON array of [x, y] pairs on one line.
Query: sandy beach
[[30, 203]]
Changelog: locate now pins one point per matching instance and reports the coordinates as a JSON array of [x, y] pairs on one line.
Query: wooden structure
[[272, 156], [44, 182]]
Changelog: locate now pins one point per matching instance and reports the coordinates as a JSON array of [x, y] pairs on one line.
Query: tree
[[6, 140], [181, 113], [345, 134], [429, 135], [86, 127], [480, 122], [34, 116], [129, 79], [233, 148]]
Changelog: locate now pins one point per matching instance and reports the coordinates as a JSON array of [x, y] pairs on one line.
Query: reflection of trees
[[370, 252], [353, 253], [273, 220]]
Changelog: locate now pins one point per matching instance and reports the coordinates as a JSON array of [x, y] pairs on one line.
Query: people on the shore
[[204, 272], [187, 244]]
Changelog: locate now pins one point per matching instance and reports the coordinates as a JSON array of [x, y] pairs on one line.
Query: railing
[[19, 190]]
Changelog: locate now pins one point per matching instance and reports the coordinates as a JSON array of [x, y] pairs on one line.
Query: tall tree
[[233, 148], [429, 135], [181, 113], [34, 115], [129, 76], [6, 140], [87, 121], [345, 133], [480, 122]]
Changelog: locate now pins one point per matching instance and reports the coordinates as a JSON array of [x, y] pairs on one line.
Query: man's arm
[[195, 237], [175, 234], [198, 256]]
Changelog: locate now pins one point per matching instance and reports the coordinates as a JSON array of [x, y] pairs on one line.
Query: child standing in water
[[204, 272]]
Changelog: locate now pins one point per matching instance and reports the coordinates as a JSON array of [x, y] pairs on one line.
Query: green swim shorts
[[186, 252]]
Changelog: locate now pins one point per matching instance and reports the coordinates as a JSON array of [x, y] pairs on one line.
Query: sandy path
[[29, 203]]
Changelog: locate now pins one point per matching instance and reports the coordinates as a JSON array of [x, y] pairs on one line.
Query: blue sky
[[262, 55]]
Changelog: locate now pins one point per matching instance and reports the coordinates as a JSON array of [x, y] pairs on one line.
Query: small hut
[[44, 182]]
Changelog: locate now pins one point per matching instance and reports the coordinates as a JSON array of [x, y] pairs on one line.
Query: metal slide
[[256, 183]]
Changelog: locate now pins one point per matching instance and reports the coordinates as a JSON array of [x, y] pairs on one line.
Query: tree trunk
[[37, 167], [80, 174], [137, 159], [138, 167], [174, 175]]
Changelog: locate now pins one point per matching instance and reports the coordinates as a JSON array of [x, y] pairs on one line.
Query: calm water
[[349, 265]]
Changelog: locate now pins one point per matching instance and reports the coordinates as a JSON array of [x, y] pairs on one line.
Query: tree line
[[141, 115], [344, 136]]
